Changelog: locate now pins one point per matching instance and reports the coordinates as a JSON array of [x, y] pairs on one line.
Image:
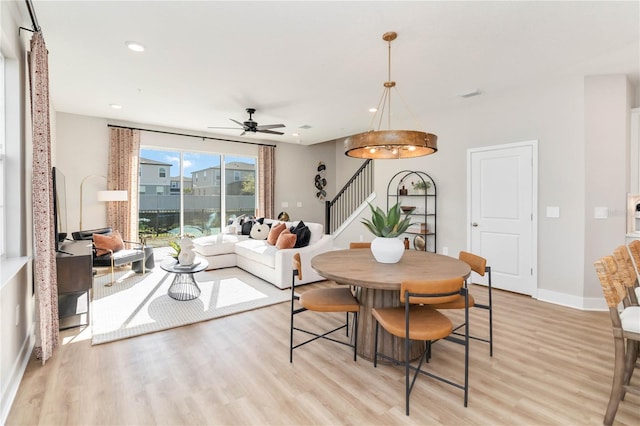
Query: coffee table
[[184, 285]]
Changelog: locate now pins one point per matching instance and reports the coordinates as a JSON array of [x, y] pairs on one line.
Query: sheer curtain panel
[[266, 179]]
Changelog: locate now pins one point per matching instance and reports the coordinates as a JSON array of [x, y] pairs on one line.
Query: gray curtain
[[124, 164], [44, 270], [266, 179]]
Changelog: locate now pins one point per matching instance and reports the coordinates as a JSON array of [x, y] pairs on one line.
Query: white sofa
[[262, 259]]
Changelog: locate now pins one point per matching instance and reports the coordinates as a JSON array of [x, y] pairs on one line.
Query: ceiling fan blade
[[269, 126], [226, 128], [270, 131], [237, 122]]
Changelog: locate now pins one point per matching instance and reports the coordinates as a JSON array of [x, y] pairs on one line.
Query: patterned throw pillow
[[259, 231], [104, 243], [286, 240]]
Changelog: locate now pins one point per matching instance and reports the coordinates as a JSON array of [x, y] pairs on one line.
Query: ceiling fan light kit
[[390, 144]]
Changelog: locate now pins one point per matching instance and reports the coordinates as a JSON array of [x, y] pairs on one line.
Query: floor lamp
[[108, 195]]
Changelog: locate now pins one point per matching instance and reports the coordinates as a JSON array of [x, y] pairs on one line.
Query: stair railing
[[349, 198]]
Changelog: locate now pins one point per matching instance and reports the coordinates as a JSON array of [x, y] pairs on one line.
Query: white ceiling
[[320, 64]]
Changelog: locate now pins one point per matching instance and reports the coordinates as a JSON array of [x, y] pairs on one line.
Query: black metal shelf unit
[[418, 190]]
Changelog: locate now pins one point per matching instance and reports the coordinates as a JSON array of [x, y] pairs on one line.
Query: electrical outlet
[[445, 250]]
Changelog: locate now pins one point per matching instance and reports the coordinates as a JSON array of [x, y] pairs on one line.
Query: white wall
[[554, 114]]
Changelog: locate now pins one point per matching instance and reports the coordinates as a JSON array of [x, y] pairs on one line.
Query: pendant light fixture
[[389, 144]]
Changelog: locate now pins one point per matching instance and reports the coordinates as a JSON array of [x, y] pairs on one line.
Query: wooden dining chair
[[478, 265], [417, 320], [626, 326], [359, 245], [634, 250], [334, 299], [626, 272]]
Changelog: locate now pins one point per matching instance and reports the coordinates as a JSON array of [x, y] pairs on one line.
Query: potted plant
[[421, 186], [387, 247]]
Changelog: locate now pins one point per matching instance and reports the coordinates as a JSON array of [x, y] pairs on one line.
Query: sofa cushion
[[286, 240], [106, 243], [275, 233], [257, 251], [303, 234], [216, 244]]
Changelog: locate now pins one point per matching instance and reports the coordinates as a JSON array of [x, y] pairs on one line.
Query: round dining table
[[378, 285]]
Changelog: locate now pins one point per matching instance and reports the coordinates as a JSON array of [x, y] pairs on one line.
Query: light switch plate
[[601, 213], [553, 211]]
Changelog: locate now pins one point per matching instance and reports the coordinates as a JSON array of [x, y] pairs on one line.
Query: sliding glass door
[[192, 194]]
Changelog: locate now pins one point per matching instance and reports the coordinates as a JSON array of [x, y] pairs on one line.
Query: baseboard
[[576, 302], [17, 372]]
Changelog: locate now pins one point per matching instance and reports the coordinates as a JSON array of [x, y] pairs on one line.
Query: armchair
[[133, 253]]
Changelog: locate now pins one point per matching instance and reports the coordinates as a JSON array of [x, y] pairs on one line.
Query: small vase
[[387, 250]]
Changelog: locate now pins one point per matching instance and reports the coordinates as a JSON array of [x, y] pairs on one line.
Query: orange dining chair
[[478, 265], [334, 299], [417, 320], [626, 325]]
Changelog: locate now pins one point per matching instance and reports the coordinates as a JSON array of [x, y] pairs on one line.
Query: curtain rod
[[32, 14], [191, 136]]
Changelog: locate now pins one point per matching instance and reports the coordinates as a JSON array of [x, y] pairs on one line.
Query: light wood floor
[[551, 365]]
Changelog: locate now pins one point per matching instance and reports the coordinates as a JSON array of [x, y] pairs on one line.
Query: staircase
[[350, 200]]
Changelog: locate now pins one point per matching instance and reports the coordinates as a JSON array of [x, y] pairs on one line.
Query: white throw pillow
[[259, 231]]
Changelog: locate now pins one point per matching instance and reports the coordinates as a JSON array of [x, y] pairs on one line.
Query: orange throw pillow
[[286, 240], [104, 243], [275, 232]]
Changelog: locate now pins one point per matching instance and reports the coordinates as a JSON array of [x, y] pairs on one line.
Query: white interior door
[[502, 225]]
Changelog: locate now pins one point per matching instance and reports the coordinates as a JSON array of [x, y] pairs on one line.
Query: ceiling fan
[[252, 126]]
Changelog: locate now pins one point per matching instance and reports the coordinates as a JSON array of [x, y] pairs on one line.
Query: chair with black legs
[[478, 265], [417, 320], [334, 299]]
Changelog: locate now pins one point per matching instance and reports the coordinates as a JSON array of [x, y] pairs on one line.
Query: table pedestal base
[[387, 343], [184, 287]]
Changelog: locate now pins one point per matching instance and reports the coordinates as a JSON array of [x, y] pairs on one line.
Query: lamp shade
[[113, 195]]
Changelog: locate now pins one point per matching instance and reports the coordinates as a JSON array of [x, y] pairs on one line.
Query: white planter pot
[[387, 250]]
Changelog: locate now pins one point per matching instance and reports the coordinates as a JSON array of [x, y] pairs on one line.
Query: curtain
[[124, 164], [266, 180], [45, 277]]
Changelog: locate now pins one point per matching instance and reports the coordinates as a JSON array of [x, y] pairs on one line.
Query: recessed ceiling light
[[135, 46], [115, 106], [295, 134], [373, 109]]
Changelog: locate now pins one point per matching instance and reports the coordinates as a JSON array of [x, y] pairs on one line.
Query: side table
[[184, 285]]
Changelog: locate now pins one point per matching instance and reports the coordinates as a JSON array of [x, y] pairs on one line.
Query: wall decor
[[321, 182]]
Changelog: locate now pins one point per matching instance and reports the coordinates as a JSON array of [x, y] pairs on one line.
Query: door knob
[[474, 224]]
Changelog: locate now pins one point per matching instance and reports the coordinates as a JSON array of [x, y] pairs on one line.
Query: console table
[[75, 278]]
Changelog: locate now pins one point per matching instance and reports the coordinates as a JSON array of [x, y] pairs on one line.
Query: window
[[159, 190], [142, 189], [237, 176], [216, 180], [175, 185], [162, 172]]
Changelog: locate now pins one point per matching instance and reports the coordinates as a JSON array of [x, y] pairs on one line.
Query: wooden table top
[[358, 267]]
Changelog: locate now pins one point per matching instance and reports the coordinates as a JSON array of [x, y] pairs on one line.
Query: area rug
[[139, 304]]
